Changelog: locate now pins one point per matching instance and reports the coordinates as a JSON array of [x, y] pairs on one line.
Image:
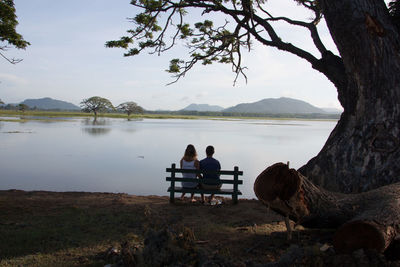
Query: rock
[[324, 247]]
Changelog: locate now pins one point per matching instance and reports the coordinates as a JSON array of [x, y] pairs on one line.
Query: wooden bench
[[176, 189]]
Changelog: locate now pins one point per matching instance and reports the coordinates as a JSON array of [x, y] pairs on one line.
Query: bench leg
[[172, 196], [235, 198]]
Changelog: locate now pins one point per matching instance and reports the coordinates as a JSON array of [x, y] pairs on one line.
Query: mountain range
[[49, 103], [282, 105], [202, 107]]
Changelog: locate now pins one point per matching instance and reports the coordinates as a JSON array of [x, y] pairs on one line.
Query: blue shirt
[[210, 164]]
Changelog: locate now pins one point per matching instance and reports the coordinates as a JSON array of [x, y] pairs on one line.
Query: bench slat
[[204, 191], [222, 172], [223, 181]]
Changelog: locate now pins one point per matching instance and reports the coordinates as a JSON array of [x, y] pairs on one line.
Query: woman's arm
[[197, 166]]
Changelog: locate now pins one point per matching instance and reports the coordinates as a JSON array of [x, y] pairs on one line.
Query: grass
[[77, 229], [49, 227], [96, 229], [65, 114], [26, 115]]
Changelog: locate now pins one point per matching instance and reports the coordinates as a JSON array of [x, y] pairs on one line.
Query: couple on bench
[[190, 161]]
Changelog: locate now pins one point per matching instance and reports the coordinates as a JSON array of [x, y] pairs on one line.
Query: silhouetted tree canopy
[[162, 24]]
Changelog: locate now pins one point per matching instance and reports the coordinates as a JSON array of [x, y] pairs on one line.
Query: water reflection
[[40, 119], [23, 120], [96, 126], [134, 119]]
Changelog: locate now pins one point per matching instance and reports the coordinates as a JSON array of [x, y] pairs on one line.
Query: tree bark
[[368, 220], [362, 152]]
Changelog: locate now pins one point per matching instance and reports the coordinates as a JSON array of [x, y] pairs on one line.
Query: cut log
[[369, 220]]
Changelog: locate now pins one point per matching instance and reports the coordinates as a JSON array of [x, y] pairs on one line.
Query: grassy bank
[[78, 229], [41, 115], [96, 229], [70, 114]]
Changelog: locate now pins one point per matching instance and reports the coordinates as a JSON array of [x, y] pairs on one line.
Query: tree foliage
[[162, 23], [130, 108], [8, 34], [9, 107], [96, 104], [22, 107]]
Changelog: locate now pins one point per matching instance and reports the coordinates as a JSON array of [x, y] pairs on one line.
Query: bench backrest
[[235, 181], [235, 173]]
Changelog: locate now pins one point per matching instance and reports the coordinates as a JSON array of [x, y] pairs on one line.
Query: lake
[[130, 156]]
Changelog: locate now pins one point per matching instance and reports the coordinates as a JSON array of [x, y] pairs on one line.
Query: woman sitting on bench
[[189, 161]]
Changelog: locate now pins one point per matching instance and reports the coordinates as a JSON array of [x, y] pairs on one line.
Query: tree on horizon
[[22, 107], [96, 104], [130, 108]]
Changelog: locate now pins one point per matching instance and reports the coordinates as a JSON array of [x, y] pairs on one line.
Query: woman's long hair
[[190, 153]]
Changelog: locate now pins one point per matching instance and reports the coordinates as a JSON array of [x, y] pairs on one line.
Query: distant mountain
[[202, 107], [332, 110], [49, 103], [281, 105]]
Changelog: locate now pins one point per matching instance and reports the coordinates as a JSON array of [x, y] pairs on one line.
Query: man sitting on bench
[[210, 164]]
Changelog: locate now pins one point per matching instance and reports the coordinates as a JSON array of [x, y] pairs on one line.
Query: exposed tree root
[[369, 220]]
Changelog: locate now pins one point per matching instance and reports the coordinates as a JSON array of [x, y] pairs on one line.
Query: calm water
[[117, 155]]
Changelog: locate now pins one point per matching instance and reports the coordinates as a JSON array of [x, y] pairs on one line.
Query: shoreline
[[197, 196]]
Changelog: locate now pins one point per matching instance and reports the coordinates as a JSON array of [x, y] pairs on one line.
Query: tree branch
[[12, 60], [310, 26], [209, 44]]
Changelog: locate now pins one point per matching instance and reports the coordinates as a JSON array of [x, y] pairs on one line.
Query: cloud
[[202, 94], [185, 98], [141, 83], [13, 79], [290, 94], [160, 95], [132, 83]]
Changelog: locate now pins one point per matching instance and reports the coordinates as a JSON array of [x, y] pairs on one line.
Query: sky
[[67, 60]]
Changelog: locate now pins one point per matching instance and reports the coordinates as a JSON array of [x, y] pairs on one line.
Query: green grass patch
[[65, 114], [36, 115]]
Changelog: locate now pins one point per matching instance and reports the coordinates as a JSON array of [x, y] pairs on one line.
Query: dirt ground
[[98, 229]]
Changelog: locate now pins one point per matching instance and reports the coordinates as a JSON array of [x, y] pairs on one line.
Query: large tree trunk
[[369, 220], [362, 152]]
